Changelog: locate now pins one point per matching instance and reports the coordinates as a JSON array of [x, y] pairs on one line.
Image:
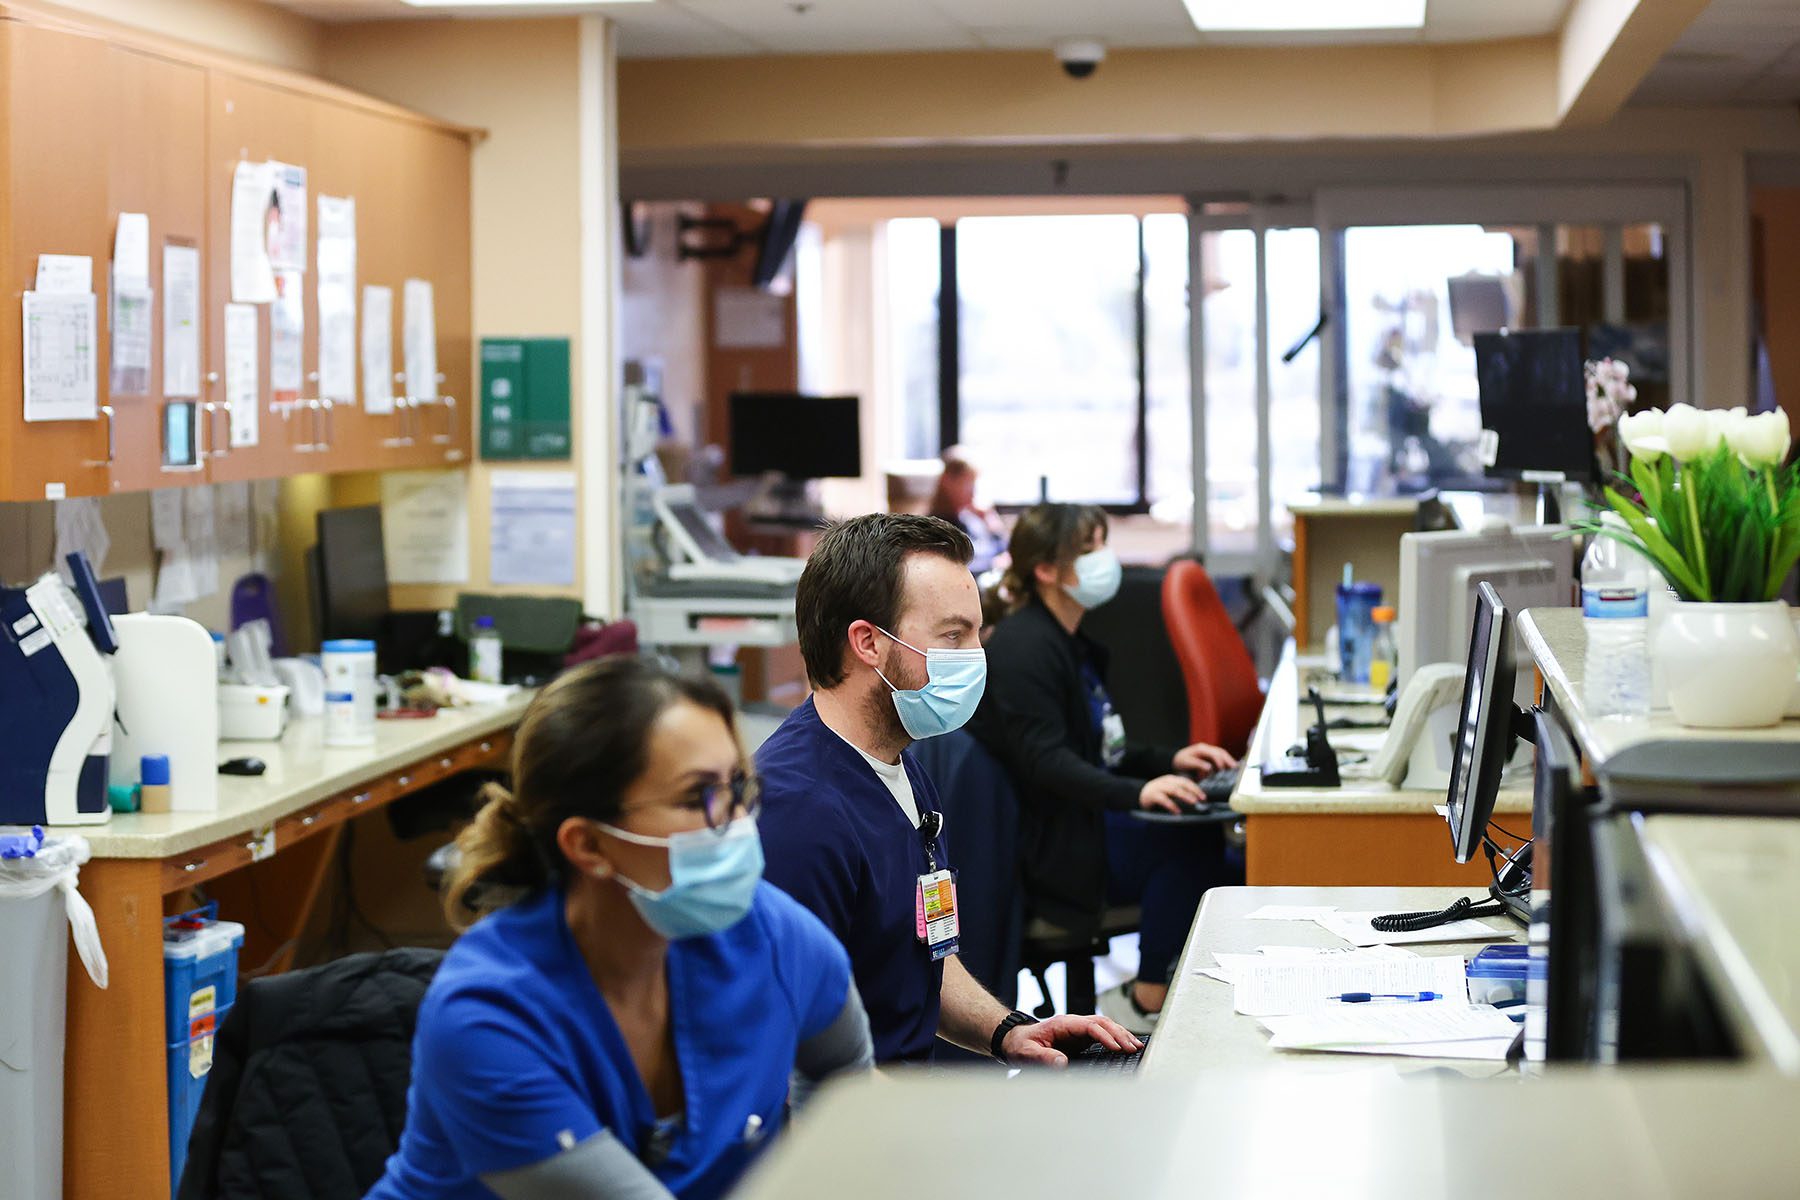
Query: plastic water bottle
[[484, 651], [1615, 606]]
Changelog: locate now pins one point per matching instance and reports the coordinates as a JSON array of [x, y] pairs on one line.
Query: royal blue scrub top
[[836, 840], [516, 1047]]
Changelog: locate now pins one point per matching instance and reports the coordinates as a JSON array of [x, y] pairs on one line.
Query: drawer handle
[[309, 819], [444, 763], [190, 868], [487, 747], [404, 781], [360, 798]]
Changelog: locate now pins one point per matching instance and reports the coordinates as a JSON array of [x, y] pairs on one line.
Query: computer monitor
[[1559, 999], [1484, 732], [801, 437], [351, 587], [1530, 567], [1534, 405]]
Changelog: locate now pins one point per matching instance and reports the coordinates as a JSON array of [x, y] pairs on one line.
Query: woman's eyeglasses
[[738, 796]]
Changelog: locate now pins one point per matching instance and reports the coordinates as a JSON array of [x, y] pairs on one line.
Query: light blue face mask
[[1097, 575], [954, 682], [712, 879]]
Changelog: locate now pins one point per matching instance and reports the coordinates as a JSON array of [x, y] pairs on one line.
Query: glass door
[[1256, 345]]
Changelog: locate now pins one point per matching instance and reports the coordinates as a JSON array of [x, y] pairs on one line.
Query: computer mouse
[[243, 766]]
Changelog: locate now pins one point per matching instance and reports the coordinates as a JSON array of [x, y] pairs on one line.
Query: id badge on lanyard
[[934, 899]]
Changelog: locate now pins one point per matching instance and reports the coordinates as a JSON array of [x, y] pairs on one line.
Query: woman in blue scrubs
[[637, 1011]]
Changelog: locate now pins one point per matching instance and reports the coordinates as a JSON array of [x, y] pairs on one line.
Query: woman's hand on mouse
[[1171, 793]]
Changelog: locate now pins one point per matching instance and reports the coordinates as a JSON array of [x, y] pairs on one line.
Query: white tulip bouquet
[[1717, 508]]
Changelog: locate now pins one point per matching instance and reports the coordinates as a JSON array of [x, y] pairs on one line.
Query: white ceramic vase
[[1728, 666]]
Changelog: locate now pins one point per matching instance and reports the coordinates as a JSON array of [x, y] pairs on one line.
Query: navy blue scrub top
[[836, 840], [516, 1047]]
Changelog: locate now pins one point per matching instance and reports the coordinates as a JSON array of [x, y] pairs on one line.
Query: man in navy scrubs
[[889, 619]]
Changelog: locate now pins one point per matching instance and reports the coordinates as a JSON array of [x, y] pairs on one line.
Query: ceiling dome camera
[[1080, 57]]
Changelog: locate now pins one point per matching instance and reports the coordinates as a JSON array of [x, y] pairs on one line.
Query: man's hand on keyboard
[[1034, 1045]]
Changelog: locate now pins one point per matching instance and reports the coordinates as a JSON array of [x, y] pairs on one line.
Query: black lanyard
[[930, 825]]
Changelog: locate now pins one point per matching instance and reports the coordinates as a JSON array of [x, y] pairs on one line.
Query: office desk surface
[[1284, 718], [301, 770], [1199, 1033], [1733, 884], [1557, 641], [1642, 1133]]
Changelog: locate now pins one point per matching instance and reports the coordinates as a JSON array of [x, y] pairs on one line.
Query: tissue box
[[252, 714], [1497, 975]]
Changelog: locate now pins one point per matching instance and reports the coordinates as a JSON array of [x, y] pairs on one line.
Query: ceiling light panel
[[1304, 16]]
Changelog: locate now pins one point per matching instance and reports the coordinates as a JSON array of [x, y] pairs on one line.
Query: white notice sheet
[[65, 274], [255, 220], [181, 322], [133, 316], [532, 528], [420, 341], [287, 336], [243, 385], [287, 223], [337, 299], [131, 251], [378, 350], [61, 357], [425, 526]]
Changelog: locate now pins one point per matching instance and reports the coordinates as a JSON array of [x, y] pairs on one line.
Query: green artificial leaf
[[1651, 542]]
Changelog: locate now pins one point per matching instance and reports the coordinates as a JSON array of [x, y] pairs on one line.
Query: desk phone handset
[[1317, 768]]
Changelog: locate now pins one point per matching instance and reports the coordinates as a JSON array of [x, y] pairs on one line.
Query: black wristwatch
[[1011, 1021]]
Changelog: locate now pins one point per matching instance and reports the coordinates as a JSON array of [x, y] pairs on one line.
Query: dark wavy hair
[[582, 743]]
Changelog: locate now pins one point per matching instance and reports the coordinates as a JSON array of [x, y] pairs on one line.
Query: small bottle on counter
[[349, 691], [485, 652], [1384, 656], [154, 793]]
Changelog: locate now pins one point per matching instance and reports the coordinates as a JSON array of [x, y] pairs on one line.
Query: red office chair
[[1224, 695]]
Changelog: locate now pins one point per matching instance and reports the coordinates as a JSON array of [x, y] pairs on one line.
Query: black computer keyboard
[[1217, 786], [1112, 1062]]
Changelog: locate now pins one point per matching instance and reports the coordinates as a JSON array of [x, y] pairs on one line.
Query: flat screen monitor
[[1484, 730], [1534, 405], [352, 582], [1559, 1022], [799, 436], [1530, 567]]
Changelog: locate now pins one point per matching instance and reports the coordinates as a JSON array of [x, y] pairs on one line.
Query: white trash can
[[39, 908]]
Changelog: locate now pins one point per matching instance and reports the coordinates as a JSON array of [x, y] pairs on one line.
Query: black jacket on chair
[[307, 1095], [1035, 719]]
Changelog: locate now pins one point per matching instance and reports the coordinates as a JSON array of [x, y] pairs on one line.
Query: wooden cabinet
[[155, 165], [100, 121]]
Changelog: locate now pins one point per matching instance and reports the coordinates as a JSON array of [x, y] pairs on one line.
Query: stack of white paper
[[1432, 1029], [1356, 928], [1281, 987]]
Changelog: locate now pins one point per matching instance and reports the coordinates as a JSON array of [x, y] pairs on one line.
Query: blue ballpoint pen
[[1393, 997]]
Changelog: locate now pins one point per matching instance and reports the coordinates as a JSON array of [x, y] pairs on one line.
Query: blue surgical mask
[[1097, 575], [712, 879], [954, 682]]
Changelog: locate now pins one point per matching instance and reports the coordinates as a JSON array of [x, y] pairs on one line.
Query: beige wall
[[674, 105], [521, 81], [249, 28]]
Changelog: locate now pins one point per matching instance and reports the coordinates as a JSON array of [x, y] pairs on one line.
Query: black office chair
[[999, 935]]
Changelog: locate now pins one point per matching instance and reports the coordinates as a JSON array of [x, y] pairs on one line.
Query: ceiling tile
[[665, 31], [834, 26]]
